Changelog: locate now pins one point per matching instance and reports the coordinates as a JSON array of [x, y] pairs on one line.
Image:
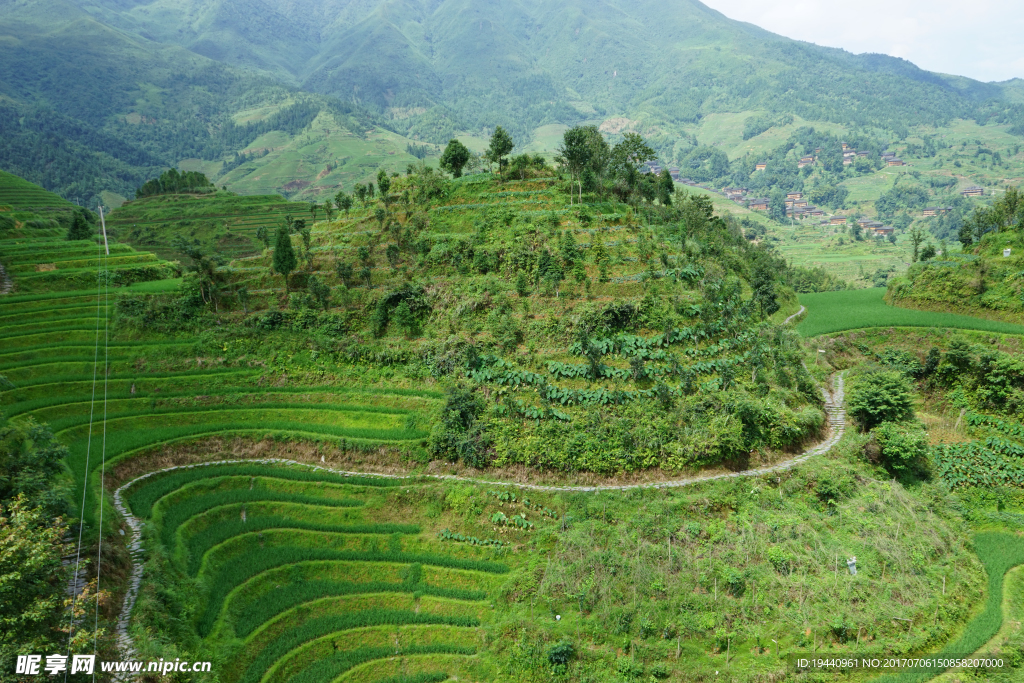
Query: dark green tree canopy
[[500, 147], [284, 256], [456, 156], [383, 182], [80, 229], [880, 397], [173, 182]]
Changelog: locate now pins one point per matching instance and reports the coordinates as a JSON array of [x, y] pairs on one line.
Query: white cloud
[[981, 39]]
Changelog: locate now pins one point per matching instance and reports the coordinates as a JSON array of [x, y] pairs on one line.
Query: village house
[[814, 211], [862, 153], [864, 221], [845, 146], [800, 203], [760, 204], [794, 195], [883, 230], [805, 161], [847, 161], [760, 167], [837, 220], [849, 152], [930, 211], [973, 191], [894, 161]]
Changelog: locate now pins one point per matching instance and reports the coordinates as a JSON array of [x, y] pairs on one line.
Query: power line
[[103, 447], [88, 453]]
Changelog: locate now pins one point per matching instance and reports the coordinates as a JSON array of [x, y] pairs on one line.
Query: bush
[[561, 652], [901, 445], [880, 397], [458, 435]]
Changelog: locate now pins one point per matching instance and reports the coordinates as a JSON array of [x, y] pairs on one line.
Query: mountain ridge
[[427, 71]]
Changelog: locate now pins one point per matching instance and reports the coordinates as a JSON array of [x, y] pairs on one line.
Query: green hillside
[[20, 195], [343, 89], [985, 278], [223, 222], [482, 328]]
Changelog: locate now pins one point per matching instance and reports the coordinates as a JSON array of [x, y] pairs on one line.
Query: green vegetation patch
[[852, 309]]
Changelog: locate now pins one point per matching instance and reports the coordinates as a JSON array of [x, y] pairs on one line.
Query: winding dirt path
[[833, 406], [786, 321]]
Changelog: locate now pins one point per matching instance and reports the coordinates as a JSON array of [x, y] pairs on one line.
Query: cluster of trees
[[35, 612], [173, 182], [594, 166], [1006, 213], [755, 125]]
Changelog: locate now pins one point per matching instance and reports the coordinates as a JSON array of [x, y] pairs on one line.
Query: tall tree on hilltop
[[666, 186], [631, 153], [916, 238], [575, 154], [383, 184], [500, 147], [456, 156], [284, 256], [343, 202]]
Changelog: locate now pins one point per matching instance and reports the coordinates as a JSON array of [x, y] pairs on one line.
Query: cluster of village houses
[[798, 207]]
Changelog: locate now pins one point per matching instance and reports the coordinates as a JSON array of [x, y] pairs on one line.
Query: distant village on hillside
[[799, 208]]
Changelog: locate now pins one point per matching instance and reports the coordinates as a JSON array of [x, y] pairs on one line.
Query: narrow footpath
[[836, 422]]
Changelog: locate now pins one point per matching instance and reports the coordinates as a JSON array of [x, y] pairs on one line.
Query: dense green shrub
[[901, 445], [878, 397], [458, 434]]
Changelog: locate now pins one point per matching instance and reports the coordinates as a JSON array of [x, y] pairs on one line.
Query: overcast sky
[[983, 39]]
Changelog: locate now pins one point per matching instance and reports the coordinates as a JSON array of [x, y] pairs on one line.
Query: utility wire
[[103, 447], [88, 453]]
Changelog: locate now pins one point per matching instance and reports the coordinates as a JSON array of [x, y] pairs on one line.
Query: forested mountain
[[109, 91], [85, 107], [527, 63]]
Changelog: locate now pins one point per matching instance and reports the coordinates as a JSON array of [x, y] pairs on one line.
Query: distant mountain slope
[[528, 63], [86, 107], [102, 94]]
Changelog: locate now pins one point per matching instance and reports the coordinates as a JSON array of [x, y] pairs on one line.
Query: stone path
[[786, 321], [833, 406]]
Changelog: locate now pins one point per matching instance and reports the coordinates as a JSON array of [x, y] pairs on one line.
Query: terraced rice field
[[305, 575], [19, 194], [228, 221], [43, 261]]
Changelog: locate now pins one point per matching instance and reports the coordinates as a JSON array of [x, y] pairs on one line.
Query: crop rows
[[278, 550]]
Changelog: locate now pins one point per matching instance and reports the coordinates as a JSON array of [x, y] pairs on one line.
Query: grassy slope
[[836, 311], [320, 161], [19, 194], [636, 577], [224, 223], [982, 282]]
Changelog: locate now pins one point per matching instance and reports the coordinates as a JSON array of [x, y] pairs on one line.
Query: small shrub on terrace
[[880, 397]]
